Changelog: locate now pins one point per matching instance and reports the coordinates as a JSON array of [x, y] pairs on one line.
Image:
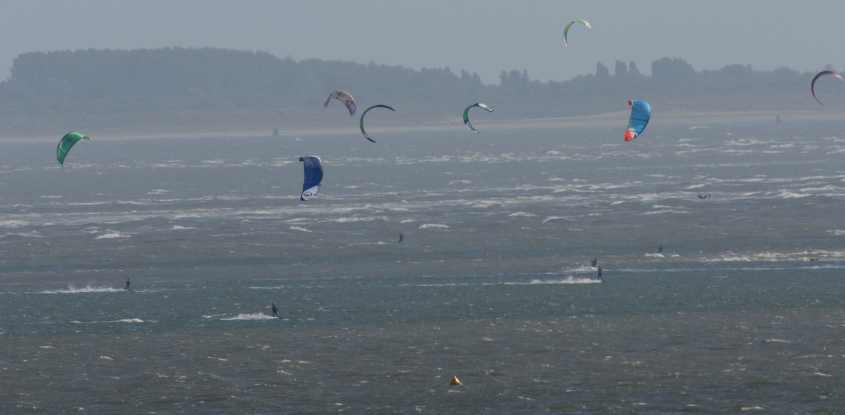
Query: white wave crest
[[299, 228], [795, 256], [522, 215], [11, 223], [579, 270], [113, 235], [121, 321], [33, 234], [249, 316], [433, 226], [565, 281], [88, 289]]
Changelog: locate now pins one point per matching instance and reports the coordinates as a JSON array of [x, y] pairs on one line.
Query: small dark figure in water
[[401, 237], [275, 310], [128, 285], [599, 275], [660, 249], [704, 196], [594, 262]]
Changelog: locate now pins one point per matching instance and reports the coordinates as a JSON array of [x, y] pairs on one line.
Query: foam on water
[[120, 321], [272, 287], [33, 234], [88, 289], [521, 214], [11, 223], [565, 281], [582, 269], [769, 256], [433, 226], [249, 317], [113, 235], [571, 280]]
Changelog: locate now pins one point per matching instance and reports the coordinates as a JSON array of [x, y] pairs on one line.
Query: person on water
[[128, 285], [660, 249], [599, 275], [594, 262], [275, 310]]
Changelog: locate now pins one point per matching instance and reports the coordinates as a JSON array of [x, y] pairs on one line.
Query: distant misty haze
[[479, 36]]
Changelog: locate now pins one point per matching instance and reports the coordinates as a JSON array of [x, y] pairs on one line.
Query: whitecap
[[11, 223], [120, 321], [249, 316], [33, 234], [565, 281], [88, 289], [299, 228], [522, 215], [433, 226], [113, 235]]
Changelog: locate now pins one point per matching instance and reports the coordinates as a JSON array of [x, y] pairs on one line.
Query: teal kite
[[67, 142]]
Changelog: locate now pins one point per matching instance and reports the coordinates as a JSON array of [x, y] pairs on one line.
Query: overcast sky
[[483, 36]]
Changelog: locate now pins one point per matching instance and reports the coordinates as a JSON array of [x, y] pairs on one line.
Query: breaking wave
[[433, 226], [88, 289], [248, 316]]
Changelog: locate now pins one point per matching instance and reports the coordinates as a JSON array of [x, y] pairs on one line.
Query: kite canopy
[[640, 116], [364, 114], [66, 143], [569, 26], [483, 106], [835, 74], [313, 176], [345, 97]]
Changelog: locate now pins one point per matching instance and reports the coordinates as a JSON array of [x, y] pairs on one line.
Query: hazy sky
[[483, 36]]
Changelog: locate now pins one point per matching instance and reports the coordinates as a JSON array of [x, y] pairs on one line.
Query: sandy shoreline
[[606, 120]]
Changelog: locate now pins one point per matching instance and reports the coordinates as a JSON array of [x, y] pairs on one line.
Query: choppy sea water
[[741, 312]]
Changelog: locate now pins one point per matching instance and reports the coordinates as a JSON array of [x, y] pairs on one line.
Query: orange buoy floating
[[455, 381]]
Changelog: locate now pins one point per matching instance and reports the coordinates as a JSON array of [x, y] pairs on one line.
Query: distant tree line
[[207, 79]]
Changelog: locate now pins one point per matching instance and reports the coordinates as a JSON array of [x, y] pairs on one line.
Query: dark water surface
[[742, 312]]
